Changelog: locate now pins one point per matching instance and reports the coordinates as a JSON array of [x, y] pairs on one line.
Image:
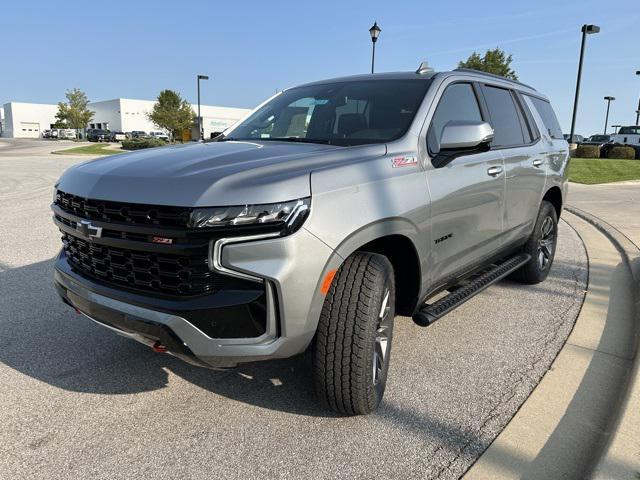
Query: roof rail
[[493, 75]]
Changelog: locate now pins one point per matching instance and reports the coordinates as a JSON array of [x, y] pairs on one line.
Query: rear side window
[[458, 102], [505, 119], [548, 117]]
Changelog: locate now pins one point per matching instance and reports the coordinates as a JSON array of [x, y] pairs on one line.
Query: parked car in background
[[599, 140], [53, 133], [596, 139], [159, 136], [576, 138], [67, 133], [46, 133], [117, 136], [138, 134], [98, 135], [331, 208], [628, 137]]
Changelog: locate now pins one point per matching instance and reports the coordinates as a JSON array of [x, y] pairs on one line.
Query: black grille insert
[[152, 272]]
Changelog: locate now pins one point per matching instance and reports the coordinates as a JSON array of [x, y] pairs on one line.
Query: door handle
[[494, 171], [537, 162]]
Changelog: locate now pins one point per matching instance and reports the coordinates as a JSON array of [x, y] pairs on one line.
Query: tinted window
[[548, 117], [629, 131], [505, 119], [458, 102], [598, 138], [531, 132], [343, 113]]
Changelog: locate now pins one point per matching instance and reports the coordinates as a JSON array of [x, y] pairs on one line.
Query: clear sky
[[251, 49]]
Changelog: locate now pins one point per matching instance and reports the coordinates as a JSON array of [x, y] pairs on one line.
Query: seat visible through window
[[350, 123]]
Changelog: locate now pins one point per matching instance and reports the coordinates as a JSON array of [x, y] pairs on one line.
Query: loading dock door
[[30, 130]]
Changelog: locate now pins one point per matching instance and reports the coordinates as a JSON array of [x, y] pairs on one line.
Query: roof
[[416, 76], [375, 76]]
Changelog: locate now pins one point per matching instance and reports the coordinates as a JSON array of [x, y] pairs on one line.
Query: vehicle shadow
[[46, 340]]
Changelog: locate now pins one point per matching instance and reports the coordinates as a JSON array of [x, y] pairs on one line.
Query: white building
[[27, 119], [118, 115]]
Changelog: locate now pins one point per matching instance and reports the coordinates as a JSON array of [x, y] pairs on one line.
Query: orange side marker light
[[326, 283]]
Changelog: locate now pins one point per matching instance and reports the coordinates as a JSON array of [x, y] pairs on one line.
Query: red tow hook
[[159, 348]]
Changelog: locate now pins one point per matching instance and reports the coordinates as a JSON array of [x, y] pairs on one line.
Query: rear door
[[467, 194], [524, 160]]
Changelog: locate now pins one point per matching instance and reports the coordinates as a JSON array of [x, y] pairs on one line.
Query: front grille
[[121, 212], [149, 272]]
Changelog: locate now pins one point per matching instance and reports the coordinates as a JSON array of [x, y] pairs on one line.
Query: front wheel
[[352, 346], [541, 246]]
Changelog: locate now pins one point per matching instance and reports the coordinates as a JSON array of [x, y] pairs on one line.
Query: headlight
[[289, 214]]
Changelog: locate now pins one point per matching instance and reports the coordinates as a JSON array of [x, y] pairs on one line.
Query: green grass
[[92, 149], [591, 171]]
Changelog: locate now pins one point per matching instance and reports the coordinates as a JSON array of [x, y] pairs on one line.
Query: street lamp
[[200, 131], [606, 119], [374, 31], [586, 30], [638, 111]]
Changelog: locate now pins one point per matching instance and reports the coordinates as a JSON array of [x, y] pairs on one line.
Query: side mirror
[[462, 137], [462, 134]]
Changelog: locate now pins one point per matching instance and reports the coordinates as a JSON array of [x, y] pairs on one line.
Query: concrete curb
[[621, 456], [579, 418]]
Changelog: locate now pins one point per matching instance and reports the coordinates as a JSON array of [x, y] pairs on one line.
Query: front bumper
[[290, 298]]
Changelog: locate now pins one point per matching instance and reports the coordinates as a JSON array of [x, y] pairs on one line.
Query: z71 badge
[[397, 162]]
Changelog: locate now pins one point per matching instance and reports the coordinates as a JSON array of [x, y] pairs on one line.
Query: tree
[[74, 113], [172, 113], [494, 61]]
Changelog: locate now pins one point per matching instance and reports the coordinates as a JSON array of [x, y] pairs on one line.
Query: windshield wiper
[[222, 138]]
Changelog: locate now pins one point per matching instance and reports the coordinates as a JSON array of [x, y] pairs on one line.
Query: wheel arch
[[397, 240], [554, 196]]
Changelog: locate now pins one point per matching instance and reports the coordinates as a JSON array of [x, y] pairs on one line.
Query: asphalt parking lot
[[79, 401]]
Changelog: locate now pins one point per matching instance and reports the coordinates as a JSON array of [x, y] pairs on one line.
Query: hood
[[210, 174]]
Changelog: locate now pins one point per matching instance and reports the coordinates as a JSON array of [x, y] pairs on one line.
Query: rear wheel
[[541, 246], [353, 342]]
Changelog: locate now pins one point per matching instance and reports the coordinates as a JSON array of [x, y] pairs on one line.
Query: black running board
[[429, 313]]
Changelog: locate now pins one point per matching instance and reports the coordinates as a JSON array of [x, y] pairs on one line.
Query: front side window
[[343, 113], [458, 102], [505, 120]]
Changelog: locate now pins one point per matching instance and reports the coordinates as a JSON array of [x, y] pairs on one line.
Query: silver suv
[[328, 210]]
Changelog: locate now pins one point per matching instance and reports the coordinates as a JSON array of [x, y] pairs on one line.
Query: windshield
[[345, 113], [629, 131], [599, 138]]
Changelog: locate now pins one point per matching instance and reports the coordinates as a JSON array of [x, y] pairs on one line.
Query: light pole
[[586, 30], [638, 111], [200, 131], [606, 119], [374, 31]]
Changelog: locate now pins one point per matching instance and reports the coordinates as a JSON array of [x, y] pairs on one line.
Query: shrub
[[621, 152], [588, 151], [140, 143]]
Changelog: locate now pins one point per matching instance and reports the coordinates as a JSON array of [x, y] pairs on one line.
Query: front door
[[467, 194]]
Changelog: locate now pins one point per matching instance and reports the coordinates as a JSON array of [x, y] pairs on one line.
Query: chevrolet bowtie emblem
[[88, 230]]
